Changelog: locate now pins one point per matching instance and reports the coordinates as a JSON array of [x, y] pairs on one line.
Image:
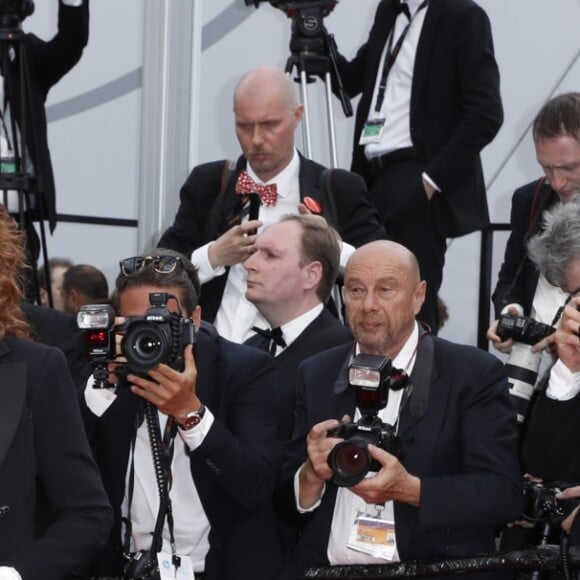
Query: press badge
[[168, 571], [372, 131], [373, 536]]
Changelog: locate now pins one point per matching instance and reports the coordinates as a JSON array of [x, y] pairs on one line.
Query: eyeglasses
[[161, 264]]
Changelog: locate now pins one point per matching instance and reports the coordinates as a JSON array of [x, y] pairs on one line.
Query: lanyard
[[391, 56]]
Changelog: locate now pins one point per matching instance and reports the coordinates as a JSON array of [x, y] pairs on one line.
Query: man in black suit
[[289, 279], [458, 475], [439, 105], [47, 62], [520, 290], [212, 220], [218, 448], [54, 512]]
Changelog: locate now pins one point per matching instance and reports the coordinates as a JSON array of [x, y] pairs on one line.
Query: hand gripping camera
[[158, 337], [523, 364], [372, 377]]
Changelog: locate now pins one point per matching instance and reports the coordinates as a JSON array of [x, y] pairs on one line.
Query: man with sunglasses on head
[[218, 217], [216, 442]]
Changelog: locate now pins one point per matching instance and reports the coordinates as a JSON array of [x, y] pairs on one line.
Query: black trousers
[[398, 194]]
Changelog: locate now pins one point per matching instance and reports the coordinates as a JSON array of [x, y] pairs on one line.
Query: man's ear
[[74, 299], [196, 317], [313, 275]]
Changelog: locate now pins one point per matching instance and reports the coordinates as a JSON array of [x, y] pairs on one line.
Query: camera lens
[[350, 461], [145, 346]]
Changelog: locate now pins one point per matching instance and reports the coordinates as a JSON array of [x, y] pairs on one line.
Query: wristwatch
[[190, 420]]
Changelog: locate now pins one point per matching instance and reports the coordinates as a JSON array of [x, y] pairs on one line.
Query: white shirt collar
[[405, 359], [284, 179], [293, 329]]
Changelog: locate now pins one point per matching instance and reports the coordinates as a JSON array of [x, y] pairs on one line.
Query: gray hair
[[552, 249]]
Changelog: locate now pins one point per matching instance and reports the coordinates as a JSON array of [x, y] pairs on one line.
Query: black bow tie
[[402, 7], [272, 338]]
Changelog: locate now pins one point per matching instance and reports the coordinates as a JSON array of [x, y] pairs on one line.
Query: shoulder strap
[[326, 180], [421, 375], [227, 174], [535, 207]]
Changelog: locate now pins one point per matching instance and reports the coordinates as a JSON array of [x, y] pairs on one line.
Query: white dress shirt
[[396, 107], [293, 329], [191, 526]]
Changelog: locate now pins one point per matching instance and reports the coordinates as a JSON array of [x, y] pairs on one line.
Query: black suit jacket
[[455, 104], [518, 277], [55, 512], [324, 332], [204, 213], [48, 62], [233, 470], [57, 328], [463, 448]]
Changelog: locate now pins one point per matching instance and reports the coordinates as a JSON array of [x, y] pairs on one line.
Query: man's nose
[[369, 302], [558, 181], [248, 263], [257, 135]]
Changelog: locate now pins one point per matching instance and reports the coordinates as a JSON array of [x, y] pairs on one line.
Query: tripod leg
[[306, 121], [330, 120]]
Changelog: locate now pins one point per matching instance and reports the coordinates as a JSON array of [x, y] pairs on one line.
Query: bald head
[[267, 115], [383, 294], [387, 252], [268, 82]]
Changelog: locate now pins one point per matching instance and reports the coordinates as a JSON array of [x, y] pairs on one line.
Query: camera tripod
[[16, 178], [316, 55]]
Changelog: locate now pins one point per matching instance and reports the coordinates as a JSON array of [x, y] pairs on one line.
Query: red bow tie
[[267, 193]]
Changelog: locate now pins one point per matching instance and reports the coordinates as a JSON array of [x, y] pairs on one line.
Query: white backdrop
[[96, 150]]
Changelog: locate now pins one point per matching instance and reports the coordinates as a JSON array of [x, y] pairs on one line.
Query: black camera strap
[[162, 452], [417, 393]]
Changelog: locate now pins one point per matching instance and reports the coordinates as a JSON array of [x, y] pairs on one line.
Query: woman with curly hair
[[54, 512]]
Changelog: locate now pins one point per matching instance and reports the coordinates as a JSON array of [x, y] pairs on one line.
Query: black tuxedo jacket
[[518, 277], [463, 448], [57, 328], [455, 104], [324, 332], [205, 213], [55, 512], [47, 62], [233, 470]]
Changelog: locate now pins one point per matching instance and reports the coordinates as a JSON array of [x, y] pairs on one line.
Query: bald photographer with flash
[[217, 416], [454, 474]]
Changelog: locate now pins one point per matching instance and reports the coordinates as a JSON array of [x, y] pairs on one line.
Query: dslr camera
[[540, 503], [523, 364], [372, 377], [158, 337], [141, 565], [522, 329], [13, 13]]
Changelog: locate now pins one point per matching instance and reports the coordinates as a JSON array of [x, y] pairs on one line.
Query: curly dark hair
[[13, 260]]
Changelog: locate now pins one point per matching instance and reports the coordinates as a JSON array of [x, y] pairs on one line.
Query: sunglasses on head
[[161, 264]]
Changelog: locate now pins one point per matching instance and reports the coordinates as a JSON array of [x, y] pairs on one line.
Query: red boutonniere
[[313, 205]]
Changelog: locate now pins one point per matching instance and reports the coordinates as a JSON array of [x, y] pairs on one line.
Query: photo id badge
[[168, 571], [372, 131], [373, 536]]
